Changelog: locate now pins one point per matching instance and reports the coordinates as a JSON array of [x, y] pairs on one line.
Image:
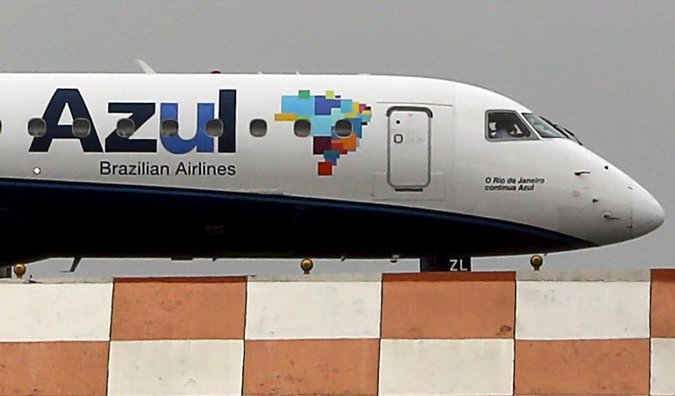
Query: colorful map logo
[[323, 112]]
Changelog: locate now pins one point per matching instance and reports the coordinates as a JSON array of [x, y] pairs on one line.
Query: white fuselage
[[422, 145]]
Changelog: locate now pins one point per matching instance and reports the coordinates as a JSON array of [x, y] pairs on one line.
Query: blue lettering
[[140, 113], [227, 112], [73, 99], [201, 141]]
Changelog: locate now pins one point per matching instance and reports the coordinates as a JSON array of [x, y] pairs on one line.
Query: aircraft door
[[409, 147]]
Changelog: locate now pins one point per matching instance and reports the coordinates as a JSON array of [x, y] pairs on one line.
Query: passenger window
[[37, 127], [214, 127], [258, 127], [169, 128], [506, 125], [0, 126], [81, 127], [343, 128], [302, 128], [125, 127]]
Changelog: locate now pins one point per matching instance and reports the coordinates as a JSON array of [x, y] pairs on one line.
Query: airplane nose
[[648, 214]]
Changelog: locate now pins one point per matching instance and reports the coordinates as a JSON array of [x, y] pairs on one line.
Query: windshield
[[564, 130], [543, 127]]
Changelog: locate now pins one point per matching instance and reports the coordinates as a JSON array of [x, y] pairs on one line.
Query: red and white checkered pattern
[[399, 334]]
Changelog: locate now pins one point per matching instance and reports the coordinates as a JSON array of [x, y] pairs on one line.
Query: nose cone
[[648, 214]]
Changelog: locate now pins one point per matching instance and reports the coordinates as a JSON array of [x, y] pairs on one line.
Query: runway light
[[306, 265], [20, 270], [536, 262]]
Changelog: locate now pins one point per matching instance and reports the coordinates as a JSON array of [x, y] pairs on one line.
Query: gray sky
[[604, 69]]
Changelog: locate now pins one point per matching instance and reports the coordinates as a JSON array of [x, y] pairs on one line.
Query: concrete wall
[[398, 334]]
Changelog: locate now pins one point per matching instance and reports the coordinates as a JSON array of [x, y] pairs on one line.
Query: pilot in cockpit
[[503, 129], [506, 126]]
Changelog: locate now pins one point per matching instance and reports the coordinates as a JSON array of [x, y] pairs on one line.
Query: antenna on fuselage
[[74, 265], [146, 68]]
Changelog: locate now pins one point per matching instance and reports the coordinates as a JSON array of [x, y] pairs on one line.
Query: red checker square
[[339, 147], [322, 144], [325, 169]]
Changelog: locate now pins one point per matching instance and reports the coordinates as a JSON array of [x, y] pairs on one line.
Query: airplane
[[292, 166]]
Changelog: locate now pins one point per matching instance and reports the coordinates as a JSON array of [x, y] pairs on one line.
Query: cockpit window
[[543, 127], [506, 125], [570, 135]]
